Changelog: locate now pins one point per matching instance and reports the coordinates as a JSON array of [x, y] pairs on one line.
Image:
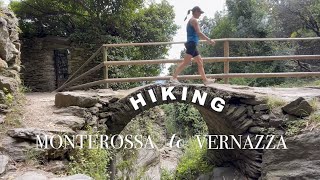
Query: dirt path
[[39, 112]]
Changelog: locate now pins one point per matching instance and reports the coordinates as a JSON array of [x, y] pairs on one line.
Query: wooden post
[[105, 59], [226, 62]]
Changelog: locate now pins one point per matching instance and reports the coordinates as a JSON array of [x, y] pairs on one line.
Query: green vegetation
[[15, 103], [315, 118], [275, 102], [167, 175], [92, 162], [314, 102], [183, 120], [295, 127], [193, 162], [33, 157]]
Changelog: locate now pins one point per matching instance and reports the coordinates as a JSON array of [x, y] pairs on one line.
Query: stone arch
[[236, 118]]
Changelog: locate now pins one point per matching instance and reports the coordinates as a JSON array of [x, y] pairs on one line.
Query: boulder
[[30, 134], [31, 176], [261, 107], [42, 175], [3, 64], [4, 160], [8, 50], [299, 107], [9, 83], [225, 173], [18, 149], [77, 98], [300, 161], [73, 122], [72, 110], [74, 177]]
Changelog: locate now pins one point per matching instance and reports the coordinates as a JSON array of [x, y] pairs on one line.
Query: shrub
[[193, 162], [92, 162], [275, 102]]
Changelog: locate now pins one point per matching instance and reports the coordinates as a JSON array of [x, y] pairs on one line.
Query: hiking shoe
[[209, 81], [174, 80]]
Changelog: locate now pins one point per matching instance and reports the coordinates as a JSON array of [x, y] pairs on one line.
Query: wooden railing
[[226, 60]]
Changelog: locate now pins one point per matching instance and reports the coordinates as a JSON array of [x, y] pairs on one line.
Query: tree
[[299, 19], [91, 23]]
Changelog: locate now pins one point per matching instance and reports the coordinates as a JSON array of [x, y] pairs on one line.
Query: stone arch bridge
[[244, 112], [241, 111]]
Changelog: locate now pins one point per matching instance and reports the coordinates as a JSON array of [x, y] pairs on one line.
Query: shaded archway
[[235, 118]]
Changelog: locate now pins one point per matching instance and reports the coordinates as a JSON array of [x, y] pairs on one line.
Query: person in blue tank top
[[193, 35]]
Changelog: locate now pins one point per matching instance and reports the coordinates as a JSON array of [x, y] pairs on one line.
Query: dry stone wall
[[9, 51]]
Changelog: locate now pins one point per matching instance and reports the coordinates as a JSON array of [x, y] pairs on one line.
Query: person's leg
[[199, 61], [205, 80], [185, 62]]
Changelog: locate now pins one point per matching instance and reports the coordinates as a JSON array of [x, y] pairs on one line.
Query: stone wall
[[37, 59], [9, 51], [39, 66]]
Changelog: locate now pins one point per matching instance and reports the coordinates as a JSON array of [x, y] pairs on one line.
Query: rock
[[74, 177], [31, 176], [2, 97], [222, 173], [77, 98], [147, 157], [299, 107], [93, 121], [261, 107], [170, 158], [256, 130], [147, 161], [1, 120], [3, 64], [289, 117], [73, 122], [4, 160], [9, 83], [30, 134], [250, 111], [240, 111], [98, 105], [94, 110], [18, 149], [104, 115], [300, 161], [42, 175], [276, 122], [72, 110], [244, 126], [8, 50], [255, 101], [56, 166], [265, 117]]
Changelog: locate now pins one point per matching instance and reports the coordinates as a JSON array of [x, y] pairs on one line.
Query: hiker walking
[[193, 35]]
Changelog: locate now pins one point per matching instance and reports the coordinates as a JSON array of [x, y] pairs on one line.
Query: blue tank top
[[192, 34]]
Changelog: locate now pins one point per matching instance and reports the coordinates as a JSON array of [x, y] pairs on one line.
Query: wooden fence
[[226, 60]]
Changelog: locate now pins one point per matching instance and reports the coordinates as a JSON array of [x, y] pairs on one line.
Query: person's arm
[[196, 26]]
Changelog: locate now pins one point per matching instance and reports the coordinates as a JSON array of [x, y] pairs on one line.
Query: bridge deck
[[287, 94]]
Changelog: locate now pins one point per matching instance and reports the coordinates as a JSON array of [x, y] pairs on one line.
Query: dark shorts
[[191, 48]]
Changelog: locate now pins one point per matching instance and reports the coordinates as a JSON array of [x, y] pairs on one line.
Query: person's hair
[[188, 14]]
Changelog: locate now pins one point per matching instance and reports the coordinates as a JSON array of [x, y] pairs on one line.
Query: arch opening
[[234, 119]]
